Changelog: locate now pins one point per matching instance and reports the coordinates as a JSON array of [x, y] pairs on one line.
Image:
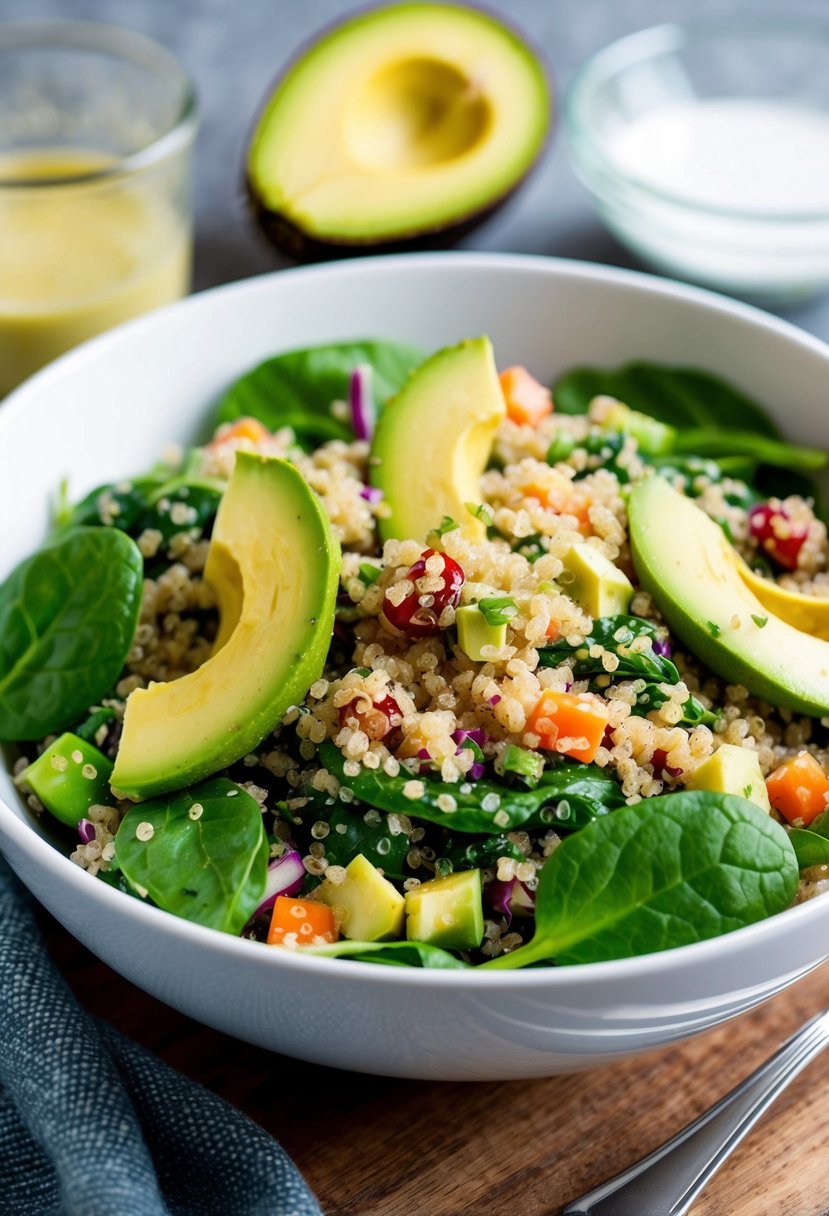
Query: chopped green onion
[[527, 764], [561, 447], [759, 621], [498, 609], [369, 573], [480, 510]]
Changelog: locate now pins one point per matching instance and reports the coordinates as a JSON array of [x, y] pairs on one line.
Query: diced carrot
[[558, 493], [243, 428], [553, 633], [527, 400], [799, 789], [570, 723], [301, 922]]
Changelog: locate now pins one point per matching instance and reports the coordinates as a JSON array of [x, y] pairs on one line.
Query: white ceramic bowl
[[107, 410]]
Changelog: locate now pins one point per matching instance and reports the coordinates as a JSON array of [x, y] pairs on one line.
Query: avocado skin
[[781, 665], [300, 246]]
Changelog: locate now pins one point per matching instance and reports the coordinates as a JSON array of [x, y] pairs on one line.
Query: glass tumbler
[[96, 129]]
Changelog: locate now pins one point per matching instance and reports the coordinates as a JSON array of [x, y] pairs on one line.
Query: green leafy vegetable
[[206, 865], [90, 726], [653, 696], [683, 397], [568, 796], [478, 854], [395, 954], [810, 848], [698, 405], [185, 506], [296, 389], [67, 619], [662, 873], [350, 834], [614, 634], [726, 441]]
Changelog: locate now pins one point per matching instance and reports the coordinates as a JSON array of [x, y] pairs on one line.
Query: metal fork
[[667, 1182]]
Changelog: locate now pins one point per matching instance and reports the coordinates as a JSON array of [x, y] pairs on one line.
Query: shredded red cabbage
[[361, 402], [511, 898], [371, 493], [86, 831], [286, 875]]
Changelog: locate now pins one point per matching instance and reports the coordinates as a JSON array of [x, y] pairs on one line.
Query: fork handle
[[667, 1182]]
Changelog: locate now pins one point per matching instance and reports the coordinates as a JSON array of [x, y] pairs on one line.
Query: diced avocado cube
[[653, 438], [372, 908], [69, 778], [447, 911], [596, 585], [732, 770], [474, 632]]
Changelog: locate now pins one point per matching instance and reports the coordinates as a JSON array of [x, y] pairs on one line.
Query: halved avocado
[[274, 563], [433, 440], [400, 125], [693, 574]]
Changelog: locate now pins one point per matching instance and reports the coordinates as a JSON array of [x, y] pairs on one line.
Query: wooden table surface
[[372, 1146]]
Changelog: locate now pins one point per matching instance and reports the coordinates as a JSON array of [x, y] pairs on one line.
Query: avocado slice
[[400, 124], [686, 563], [433, 441], [274, 563]]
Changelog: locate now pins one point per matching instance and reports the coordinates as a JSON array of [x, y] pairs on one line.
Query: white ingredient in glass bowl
[[737, 154]]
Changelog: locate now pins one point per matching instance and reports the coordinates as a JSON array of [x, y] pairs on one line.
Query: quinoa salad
[[419, 662]]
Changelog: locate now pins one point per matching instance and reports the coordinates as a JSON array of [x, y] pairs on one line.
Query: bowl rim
[[46, 856], [665, 39]]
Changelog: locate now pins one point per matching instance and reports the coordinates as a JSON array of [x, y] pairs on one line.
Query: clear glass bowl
[[773, 246], [96, 128]]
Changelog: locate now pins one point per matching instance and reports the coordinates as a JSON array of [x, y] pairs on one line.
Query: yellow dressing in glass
[[79, 256]]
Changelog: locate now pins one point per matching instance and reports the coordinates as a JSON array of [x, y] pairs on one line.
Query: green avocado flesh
[[274, 565], [399, 121], [433, 441], [685, 562]]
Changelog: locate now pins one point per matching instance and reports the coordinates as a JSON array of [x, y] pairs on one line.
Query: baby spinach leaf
[[654, 696], [810, 848], [208, 866], [296, 389], [568, 796], [662, 873], [119, 505], [724, 441], [614, 634], [350, 834], [67, 619], [200, 502], [681, 396], [395, 954], [478, 854]]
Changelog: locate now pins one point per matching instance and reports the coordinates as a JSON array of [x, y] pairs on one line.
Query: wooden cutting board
[[372, 1146]]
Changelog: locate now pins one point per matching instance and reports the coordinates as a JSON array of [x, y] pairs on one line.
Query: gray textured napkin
[[93, 1125]]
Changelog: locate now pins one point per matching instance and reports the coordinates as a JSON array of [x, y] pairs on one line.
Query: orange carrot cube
[[799, 789], [301, 922], [572, 724], [527, 400]]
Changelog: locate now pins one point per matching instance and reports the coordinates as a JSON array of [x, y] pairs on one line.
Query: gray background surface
[[235, 48]]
